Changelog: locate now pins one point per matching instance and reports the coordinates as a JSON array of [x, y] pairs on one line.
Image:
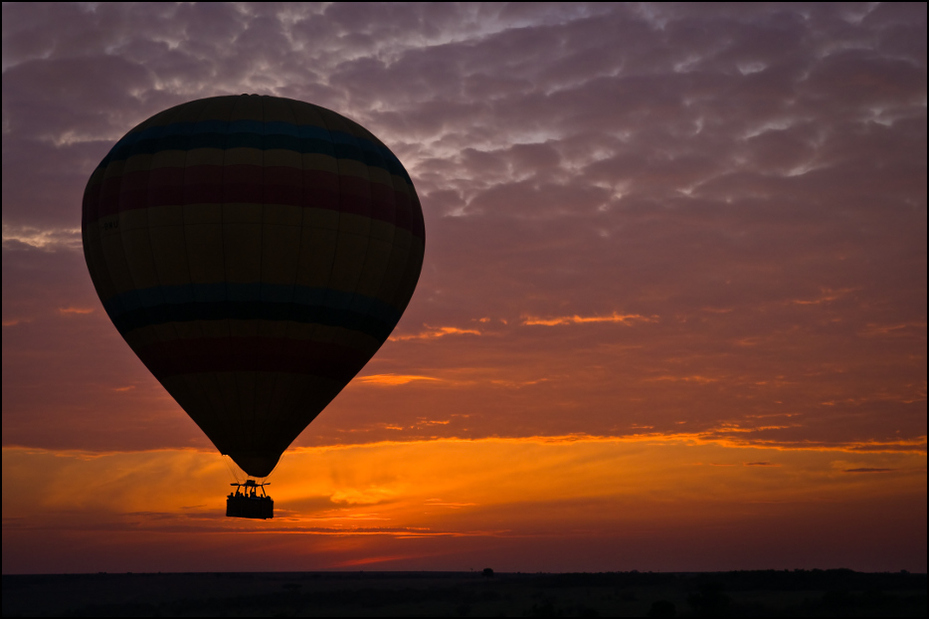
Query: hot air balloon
[[254, 252]]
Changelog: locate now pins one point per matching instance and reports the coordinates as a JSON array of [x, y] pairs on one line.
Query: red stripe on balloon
[[249, 184]]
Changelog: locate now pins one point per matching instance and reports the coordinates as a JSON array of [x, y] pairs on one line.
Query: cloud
[[363, 496], [393, 379], [12, 322], [625, 319], [68, 311], [46, 239], [827, 296], [688, 379], [433, 333]]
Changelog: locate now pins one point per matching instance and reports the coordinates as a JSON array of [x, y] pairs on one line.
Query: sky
[[672, 313]]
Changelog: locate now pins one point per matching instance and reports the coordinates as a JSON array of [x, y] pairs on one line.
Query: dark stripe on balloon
[[241, 184], [251, 354], [136, 309], [304, 139], [255, 292], [249, 184]]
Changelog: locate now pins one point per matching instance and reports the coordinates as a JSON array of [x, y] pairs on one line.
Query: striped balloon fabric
[[254, 252]]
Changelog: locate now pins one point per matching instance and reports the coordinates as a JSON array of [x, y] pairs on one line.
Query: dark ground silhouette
[[769, 593]]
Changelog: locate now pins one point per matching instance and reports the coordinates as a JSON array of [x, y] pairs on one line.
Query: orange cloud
[[828, 294], [392, 380], [451, 505], [363, 496], [75, 310], [686, 379], [434, 332], [517, 384], [625, 319], [898, 330]]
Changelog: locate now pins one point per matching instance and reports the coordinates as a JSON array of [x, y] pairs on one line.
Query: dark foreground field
[[799, 593]]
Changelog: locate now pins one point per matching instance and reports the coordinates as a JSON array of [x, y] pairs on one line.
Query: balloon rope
[[232, 466]]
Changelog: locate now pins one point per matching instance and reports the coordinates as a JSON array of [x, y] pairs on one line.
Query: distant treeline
[[763, 580], [761, 593]]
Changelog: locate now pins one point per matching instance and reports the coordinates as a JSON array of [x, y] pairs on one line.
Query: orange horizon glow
[[352, 500], [366, 495]]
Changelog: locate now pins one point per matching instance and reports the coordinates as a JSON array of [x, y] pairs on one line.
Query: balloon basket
[[247, 502]]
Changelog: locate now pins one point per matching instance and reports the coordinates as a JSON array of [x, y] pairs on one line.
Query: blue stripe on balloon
[[254, 134]]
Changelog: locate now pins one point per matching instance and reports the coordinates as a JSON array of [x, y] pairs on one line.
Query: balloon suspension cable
[[250, 488], [234, 469]]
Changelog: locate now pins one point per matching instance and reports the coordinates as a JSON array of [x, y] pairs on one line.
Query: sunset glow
[[354, 505], [671, 316]]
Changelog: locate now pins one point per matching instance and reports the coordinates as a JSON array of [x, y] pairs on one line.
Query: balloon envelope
[[254, 252]]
